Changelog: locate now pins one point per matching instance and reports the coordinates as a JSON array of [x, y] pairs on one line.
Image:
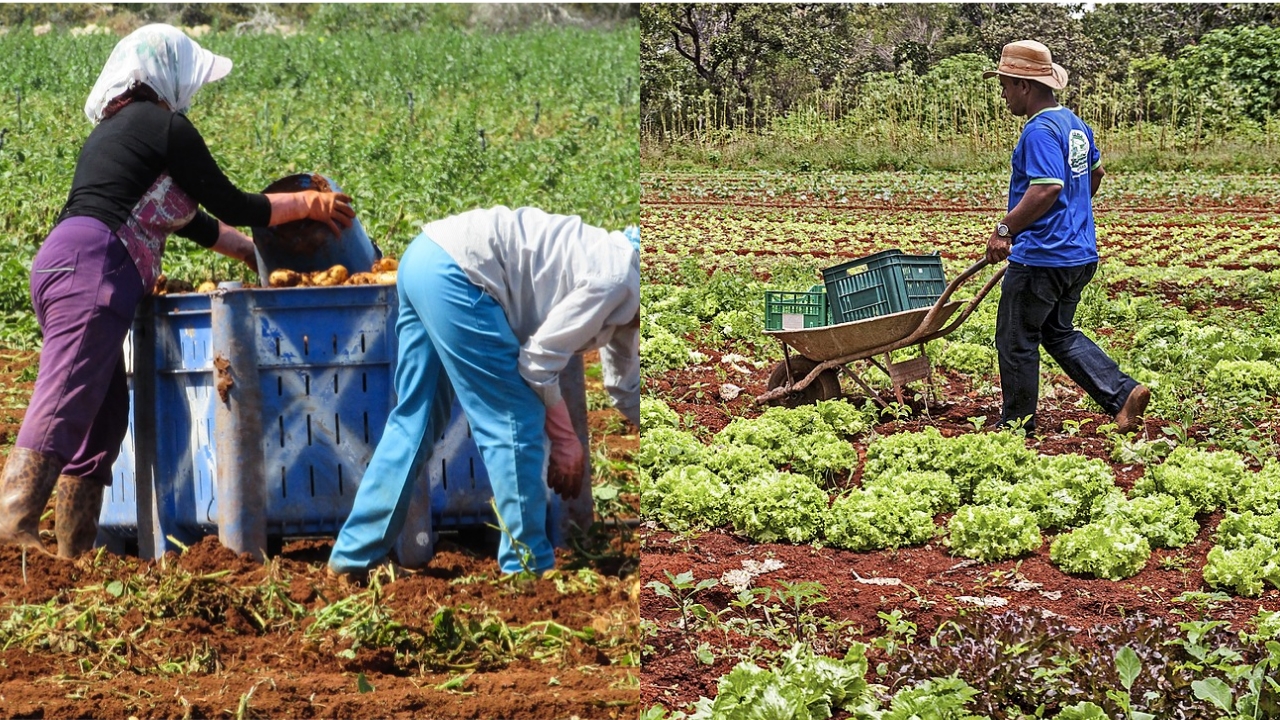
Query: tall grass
[[952, 119]]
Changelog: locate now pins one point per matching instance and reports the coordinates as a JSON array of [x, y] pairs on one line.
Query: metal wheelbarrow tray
[[812, 374]]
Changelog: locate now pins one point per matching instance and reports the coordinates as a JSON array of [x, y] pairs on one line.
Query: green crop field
[[414, 126], [905, 561]]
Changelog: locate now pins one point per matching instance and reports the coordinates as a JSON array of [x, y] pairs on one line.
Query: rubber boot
[[25, 486], [75, 516]]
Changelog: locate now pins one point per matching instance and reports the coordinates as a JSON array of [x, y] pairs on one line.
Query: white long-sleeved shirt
[[565, 286]]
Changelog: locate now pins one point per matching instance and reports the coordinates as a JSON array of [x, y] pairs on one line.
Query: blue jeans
[[453, 337], [1038, 307]]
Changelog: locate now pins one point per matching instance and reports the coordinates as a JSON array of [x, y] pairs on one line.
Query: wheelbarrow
[[813, 374]]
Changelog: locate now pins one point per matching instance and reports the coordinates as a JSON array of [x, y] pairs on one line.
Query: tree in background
[[706, 67]]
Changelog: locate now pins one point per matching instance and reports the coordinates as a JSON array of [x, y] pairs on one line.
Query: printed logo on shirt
[[1078, 152]]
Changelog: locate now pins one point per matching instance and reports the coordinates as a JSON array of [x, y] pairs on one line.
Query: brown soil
[[275, 669], [930, 577]]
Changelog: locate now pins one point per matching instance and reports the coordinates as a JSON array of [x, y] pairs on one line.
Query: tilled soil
[[289, 673], [923, 583], [185, 636]]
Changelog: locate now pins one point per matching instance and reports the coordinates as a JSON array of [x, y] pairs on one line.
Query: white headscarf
[[165, 59]]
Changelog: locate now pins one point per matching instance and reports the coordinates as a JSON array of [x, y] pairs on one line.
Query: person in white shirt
[[493, 305]]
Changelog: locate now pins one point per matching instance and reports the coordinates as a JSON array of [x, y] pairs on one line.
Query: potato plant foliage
[[414, 125]]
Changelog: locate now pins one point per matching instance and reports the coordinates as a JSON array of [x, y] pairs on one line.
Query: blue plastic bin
[[323, 360], [307, 245]]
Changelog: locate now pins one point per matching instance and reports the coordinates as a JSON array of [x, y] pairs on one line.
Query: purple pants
[[85, 289]]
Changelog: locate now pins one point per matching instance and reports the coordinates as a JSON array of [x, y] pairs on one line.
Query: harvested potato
[[385, 264], [207, 286], [335, 275], [386, 278], [284, 278], [362, 278], [178, 286]]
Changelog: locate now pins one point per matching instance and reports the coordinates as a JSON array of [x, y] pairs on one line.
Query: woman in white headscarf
[[143, 173]]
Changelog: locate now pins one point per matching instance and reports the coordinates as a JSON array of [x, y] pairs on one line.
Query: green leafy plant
[[779, 506], [804, 686], [1205, 480], [689, 497], [878, 518], [991, 532], [1164, 520], [1110, 549]]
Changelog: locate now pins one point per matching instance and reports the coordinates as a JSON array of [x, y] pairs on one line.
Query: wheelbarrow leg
[[928, 381], [897, 386], [872, 393]]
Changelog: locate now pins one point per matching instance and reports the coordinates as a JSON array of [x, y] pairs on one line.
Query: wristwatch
[[1003, 230]]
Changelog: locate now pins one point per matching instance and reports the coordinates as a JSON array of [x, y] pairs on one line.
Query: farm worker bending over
[[1048, 237], [141, 175], [493, 305]]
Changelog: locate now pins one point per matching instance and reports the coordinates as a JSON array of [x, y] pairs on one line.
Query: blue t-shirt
[[1056, 147]]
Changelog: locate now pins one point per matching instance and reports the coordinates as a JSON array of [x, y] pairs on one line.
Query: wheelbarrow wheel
[[824, 387]]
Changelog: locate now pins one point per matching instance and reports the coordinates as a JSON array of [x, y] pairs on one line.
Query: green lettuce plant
[[1164, 520], [1202, 478], [938, 491], [878, 518], [655, 413], [664, 448], [689, 497], [1108, 548], [1242, 570], [805, 686], [992, 532], [779, 506]]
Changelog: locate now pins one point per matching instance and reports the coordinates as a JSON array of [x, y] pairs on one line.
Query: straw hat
[[1029, 60]]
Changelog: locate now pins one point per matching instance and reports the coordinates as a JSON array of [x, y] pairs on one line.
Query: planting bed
[[1184, 299], [208, 634]]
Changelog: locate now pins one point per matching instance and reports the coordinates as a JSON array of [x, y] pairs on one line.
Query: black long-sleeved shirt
[[127, 152]]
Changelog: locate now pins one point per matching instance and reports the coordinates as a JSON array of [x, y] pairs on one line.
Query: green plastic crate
[[785, 310], [886, 282]]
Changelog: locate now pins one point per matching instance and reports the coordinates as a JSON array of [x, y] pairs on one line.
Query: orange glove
[[332, 209], [565, 468]]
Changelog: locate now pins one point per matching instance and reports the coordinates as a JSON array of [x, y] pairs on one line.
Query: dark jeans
[[85, 288], [1038, 307]]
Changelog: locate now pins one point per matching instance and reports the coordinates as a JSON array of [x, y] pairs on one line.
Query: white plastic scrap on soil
[[876, 580], [989, 601], [739, 579], [741, 364]]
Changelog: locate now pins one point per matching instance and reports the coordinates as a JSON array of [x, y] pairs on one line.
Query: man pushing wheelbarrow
[[1049, 239], [1047, 236]]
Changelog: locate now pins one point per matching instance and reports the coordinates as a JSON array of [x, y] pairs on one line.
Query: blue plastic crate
[[325, 360]]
